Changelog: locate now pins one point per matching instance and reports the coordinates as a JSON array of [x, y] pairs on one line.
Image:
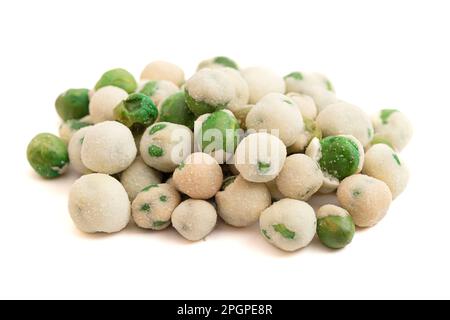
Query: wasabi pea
[[311, 131], [300, 177], [103, 102], [108, 147], [218, 62], [162, 70], [68, 128], [218, 134], [74, 150], [276, 111], [194, 219], [242, 93], [302, 81], [73, 104], [174, 109], [367, 199], [153, 206], [138, 176], [288, 224], [338, 157], [120, 78], [259, 157], [158, 90], [164, 145], [241, 202], [199, 176], [305, 104], [47, 155], [262, 81], [137, 111], [393, 128], [335, 226], [383, 163], [99, 203], [209, 90], [344, 118]]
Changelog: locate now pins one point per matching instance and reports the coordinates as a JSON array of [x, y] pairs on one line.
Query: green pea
[[335, 232], [47, 155], [340, 156], [137, 110], [118, 78], [200, 107], [174, 109], [226, 62], [228, 126], [73, 104]]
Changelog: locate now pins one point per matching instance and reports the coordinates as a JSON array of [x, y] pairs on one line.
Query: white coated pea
[[394, 127], [194, 219], [262, 81], [259, 157], [108, 147], [103, 102], [288, 224], [163, 70], [99, 203]]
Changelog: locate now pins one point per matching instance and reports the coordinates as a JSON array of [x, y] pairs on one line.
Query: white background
[[379, 54]]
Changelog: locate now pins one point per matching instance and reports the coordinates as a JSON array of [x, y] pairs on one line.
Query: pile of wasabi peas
[[146, 155]]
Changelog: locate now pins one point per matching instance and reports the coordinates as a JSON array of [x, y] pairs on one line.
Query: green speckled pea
[[174, 109], [118, 78], [340, 156], [138, 110], [73, 104], [225, 122], [335, 227], [201, 107], [47, 155]]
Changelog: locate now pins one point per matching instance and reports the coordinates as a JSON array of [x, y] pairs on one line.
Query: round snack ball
[[103, 102], [162, 70], [259, 157], [276, 111], [137, 176], [108, 147], [300, 177], [383, 163], [47, 155], [242, 93], [218, 62], [99, 203], [303, 81], [68, 128], [153, 206], [217, 134], [74, 149], [311, 131], [394, 127], [335, 226], [366, 199], [137, 111], [199, 176], [288, 224], [194, 219], [262, 81], [158, 90], [73, 104], [344, 118], [174, 109], [120, 78], [274, 191], [338, 157], [209, 90], [241, 202], [305, 104], [164, 145]]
